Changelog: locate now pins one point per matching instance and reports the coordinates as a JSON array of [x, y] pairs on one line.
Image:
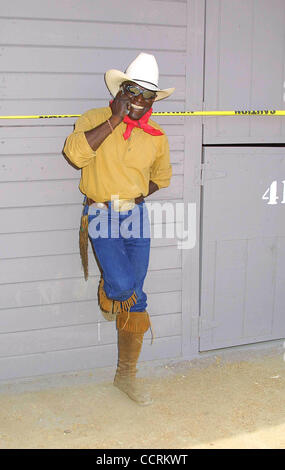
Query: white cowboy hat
[[143, 70]]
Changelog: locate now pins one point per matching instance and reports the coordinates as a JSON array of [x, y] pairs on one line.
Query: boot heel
[[135, 391]]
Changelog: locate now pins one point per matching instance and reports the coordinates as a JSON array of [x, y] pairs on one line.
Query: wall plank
[[148, 11], [69, 265], [46, 142], [79, 336], [53, 166], [62, 242], [34, 193], [77, 313], [71, 87], [31, 107], [82, 358], [82, 61], [89, 34], [49, 291], [59, 217]]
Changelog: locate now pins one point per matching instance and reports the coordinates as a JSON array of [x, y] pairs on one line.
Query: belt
[[119, 204]]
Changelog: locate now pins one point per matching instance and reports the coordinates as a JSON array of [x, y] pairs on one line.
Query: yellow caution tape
[[268, 112]]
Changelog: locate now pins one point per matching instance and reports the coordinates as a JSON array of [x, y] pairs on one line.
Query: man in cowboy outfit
[[124, 157]]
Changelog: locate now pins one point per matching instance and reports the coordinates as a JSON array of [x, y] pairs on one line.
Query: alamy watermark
[[171, 220]]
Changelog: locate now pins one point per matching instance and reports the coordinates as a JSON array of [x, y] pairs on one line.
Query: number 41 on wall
[[271, 193]]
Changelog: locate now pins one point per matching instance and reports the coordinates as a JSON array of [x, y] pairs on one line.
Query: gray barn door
[[243, 246], [244, 69]]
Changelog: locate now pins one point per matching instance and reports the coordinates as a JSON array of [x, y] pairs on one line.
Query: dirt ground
[[232, 398]]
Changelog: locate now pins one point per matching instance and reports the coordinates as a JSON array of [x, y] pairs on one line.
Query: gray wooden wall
[[219, 54], [53, 57]]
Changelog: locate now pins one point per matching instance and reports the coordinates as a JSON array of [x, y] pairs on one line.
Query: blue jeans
[[121, 241]]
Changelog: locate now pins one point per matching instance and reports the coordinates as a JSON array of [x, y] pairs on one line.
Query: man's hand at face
[[125, 102], [120, 106], [131, 100]]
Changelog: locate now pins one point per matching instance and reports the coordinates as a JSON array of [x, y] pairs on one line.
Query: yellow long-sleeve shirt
[[118, 167]]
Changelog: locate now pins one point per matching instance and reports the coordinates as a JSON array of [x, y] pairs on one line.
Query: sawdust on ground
[[217, 404]]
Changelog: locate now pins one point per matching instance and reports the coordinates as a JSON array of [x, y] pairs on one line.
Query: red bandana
[[142, 123]]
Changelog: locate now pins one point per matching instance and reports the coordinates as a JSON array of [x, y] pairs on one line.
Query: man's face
[[139, 105]]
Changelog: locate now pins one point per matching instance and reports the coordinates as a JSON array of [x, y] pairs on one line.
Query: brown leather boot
[[130, 340]]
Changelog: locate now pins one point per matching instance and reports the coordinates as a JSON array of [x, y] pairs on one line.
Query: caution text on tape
[[259, 112]]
